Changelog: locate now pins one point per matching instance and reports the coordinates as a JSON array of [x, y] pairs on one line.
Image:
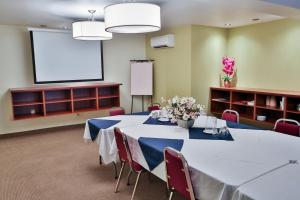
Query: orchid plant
[[228, 68], [183, 108]]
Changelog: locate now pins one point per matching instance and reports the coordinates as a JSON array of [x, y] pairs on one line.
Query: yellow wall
[[267, 55], [208, 47], [16, 71], [172, 69], [189, 68]]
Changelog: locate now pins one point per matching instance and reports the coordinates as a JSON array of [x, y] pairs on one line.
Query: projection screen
[[57, 57]]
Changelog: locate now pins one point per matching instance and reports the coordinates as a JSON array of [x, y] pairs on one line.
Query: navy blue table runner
[[240, 126], [153, 149], [154, 121], [96, 124], [198, 133]]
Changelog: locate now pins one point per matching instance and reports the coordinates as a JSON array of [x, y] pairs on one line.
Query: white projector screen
[[57, 57]]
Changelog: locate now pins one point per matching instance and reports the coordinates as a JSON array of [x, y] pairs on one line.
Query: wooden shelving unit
[[32, 102], [238, 98]]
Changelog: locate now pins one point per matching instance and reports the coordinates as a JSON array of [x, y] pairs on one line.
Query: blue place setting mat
[[140, 113], [241, 126], [96, 124], [153, 149], [155, 121], [198, 133]]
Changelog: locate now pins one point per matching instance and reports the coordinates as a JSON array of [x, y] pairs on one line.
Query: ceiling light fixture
[[90, 30], [227, 24], [132, 18]]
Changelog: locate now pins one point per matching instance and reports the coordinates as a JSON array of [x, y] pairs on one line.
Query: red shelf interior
[[292, 103], [109, 102], [262, 98], [237, 99], [85, 105], [30, 102], [108, 91], [272, 115], [219, 107], [244, 111], [84, 93], [58, 108], [31, 111], [27, 98], [55, 96]]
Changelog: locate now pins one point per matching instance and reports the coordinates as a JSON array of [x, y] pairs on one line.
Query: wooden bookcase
[[32, 102], [238, 98]]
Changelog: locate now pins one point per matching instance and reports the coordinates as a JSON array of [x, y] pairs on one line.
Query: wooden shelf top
[[260, 91], [19, 117], [85, 98], [242, 104], [52, 101], [270, 108], [59, 113], [16, 104], [293, 111], [108, 96], [38, 88]]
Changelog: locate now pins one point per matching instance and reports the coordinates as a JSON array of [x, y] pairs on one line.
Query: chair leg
[[128, 176], [171, 195], [116, 170], [120, 175], [100, 159], [149, 177], [136, 183]]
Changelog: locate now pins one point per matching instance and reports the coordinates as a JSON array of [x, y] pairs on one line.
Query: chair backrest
[[231, 115], [178, 176], [116, 111], [155, 106], [287, 126], [124, 150]]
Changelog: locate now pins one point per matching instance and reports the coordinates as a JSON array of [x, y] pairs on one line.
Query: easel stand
[[143, 102]]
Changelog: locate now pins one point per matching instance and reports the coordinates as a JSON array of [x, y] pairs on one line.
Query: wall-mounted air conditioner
[[165, 41]]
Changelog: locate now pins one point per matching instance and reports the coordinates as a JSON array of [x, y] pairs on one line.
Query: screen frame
[[63, 81]]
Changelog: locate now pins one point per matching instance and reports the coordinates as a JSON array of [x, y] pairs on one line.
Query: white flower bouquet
[[183, 108]]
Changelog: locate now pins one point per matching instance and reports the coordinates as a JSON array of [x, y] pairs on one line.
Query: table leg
[[116, 170]]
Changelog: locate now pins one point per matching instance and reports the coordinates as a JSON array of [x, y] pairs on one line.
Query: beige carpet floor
[[58, 165]]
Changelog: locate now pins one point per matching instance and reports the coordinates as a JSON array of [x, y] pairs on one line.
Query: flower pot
[[185, 123], [227, 84]]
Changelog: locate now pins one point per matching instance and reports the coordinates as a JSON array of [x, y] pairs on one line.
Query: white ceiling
[[61, 13]]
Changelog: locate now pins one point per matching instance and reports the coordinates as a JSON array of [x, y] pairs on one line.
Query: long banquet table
[[218, 168]]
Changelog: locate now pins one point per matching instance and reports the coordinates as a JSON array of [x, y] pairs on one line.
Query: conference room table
[[220, 169]]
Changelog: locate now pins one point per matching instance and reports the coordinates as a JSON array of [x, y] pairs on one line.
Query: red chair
[[288, 126], [125, 157], [231, 115], [116, 111], [155, 106], [178, 176]]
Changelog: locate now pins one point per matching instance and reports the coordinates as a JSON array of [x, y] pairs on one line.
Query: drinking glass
[[211, 125]]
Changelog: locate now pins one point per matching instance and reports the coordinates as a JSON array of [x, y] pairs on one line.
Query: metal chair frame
[[287, 120], [232, 111], [185, 170], [123, 162]]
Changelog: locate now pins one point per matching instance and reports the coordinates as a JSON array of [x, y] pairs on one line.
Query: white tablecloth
[[281, 184], [218, 168], [106, 139]]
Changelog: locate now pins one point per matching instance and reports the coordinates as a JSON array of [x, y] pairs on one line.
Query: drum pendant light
[[90, 30], [132, 18]]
